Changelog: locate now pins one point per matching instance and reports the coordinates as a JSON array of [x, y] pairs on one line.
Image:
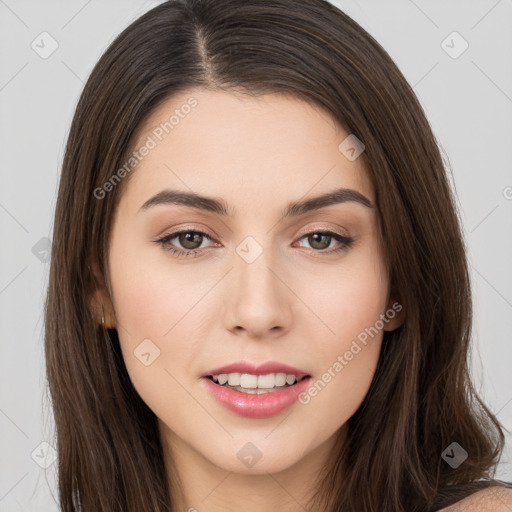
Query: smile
[[255, 384], [255, 402]]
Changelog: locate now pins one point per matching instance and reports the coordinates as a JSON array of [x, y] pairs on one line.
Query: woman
[[259, 297]]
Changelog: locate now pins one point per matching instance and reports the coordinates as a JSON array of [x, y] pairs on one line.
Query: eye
[[191, 241], [321, 240]]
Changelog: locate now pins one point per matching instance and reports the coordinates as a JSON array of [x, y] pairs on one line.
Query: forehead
[[273, 146]]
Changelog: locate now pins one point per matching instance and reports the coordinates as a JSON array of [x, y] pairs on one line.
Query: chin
[[253, 455]]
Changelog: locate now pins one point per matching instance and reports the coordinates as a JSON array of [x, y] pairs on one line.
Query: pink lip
[[262, 369], [255, 406]]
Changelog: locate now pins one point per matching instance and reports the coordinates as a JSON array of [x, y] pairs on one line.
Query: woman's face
[[261, 287]]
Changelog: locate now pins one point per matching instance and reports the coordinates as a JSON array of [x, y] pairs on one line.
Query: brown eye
[[321, 240], [184, 243], [190, 239]]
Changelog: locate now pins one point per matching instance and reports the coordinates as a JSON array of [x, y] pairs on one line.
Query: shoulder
[[492, 499]]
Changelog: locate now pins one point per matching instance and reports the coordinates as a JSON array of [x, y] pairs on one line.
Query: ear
[[100, 297], [395, 313]]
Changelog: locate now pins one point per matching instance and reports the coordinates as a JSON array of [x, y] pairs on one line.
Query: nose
[[258, 298]]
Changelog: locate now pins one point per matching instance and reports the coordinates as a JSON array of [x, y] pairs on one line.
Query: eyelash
[[346, 242]]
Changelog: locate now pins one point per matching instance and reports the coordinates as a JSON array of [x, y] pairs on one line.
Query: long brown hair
[[421, 399]]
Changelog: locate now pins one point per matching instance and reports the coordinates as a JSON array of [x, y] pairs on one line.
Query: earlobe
[[101, 306], [395, 313]]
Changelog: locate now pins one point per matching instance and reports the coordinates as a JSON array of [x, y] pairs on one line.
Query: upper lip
[[254, 369]]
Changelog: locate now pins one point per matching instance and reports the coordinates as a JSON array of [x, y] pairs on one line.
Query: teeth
[[234, 379], [290, 379], [249, 381], [280, 379], [266, 381]]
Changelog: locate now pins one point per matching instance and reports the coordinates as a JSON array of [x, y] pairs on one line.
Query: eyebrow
[[219, 206]]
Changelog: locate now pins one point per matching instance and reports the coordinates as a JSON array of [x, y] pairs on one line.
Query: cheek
[[348, 347], [148, 312], [161, 308], [154, 296], [346, 299]]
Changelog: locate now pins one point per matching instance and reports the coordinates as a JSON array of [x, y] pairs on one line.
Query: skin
[[494, 499], [294, 303]]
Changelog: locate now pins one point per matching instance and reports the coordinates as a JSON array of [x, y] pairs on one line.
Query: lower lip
[[256, 406]]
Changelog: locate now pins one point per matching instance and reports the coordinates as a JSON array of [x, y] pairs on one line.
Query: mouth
[[256, 391], [253, 384]]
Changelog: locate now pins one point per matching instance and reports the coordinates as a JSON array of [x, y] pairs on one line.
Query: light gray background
[[468, 101]]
